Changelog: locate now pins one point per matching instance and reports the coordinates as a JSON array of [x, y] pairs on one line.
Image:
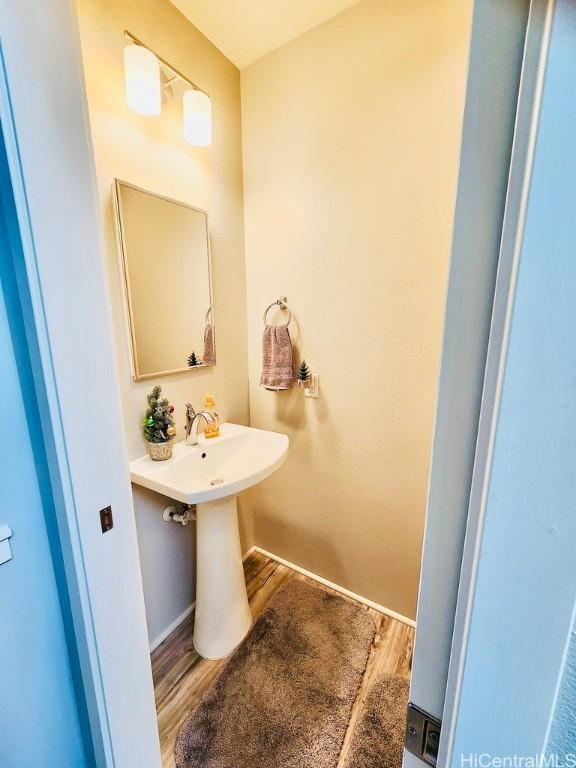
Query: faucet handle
[[190, 413]]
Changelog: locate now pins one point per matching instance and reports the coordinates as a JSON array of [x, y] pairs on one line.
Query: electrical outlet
[[314, 389]]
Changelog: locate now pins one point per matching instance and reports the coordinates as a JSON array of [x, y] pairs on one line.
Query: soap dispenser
[[212, 429]]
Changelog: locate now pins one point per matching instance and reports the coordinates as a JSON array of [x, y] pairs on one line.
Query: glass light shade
[[142, 74], [197, 109]]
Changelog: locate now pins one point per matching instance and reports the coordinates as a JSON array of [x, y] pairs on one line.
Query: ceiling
[[246, 30]]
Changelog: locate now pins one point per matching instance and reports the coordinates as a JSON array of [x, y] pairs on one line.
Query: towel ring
[[282, 302]]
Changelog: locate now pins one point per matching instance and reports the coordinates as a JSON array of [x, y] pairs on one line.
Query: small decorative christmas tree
[[158, 425], [303, 375], [193, 360]]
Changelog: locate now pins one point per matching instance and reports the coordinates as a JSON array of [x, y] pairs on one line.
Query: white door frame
[[497, 51], [46, 129], [526, 131], [63, 290]]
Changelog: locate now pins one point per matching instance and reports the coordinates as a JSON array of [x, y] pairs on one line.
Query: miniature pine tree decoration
[[303, 375], [158, 425], [193, 360]]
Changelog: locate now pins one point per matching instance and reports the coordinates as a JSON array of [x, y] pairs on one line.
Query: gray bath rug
[[378, 739], [285, 696]]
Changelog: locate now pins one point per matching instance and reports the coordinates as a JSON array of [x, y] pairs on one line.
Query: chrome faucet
[[190, 413], [192, 422]]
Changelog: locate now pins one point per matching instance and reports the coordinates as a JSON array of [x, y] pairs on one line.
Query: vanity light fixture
[[144, 71], [197, 110], [142, 76]]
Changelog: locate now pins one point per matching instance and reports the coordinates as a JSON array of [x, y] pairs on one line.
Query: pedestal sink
[[211, 475]]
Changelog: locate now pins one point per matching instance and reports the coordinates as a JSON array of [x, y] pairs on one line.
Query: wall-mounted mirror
[[166, 264]]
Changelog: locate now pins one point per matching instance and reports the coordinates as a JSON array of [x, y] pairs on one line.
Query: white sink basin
[[210, 475], [215, 468]]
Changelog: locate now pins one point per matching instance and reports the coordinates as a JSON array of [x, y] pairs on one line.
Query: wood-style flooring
[[181, 676]]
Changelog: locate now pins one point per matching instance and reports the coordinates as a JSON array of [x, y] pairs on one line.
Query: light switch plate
[[314, 389]]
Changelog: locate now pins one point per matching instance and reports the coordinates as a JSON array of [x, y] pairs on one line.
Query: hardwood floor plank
[[181, 676], [253, 564]]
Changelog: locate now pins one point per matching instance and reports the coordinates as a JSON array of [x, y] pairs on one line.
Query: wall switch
[[314, 389], [5, 549], [106, 519]]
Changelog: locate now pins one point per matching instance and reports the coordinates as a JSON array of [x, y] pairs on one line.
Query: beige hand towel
[[278, 358], [209, 357]]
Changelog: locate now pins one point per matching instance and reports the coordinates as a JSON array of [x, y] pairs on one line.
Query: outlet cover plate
[[314, 389]]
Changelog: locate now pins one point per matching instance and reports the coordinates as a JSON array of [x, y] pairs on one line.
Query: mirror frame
[[128, 310]]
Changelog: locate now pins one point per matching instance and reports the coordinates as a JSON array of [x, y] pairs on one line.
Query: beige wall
[[351, 139], [351, 142], [151, 153]]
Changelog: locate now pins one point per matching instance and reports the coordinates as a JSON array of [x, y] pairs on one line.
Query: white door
[[518, 588], [62, 283]]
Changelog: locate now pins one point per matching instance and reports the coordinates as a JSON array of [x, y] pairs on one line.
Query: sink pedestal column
[[222, 616]]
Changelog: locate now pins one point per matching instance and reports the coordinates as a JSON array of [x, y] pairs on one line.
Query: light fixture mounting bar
[[176, 73]]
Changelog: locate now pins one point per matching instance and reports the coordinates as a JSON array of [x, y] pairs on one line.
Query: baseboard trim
[[183, 616], [314, 576], [335, 587], [171, 627], [246, 555]]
